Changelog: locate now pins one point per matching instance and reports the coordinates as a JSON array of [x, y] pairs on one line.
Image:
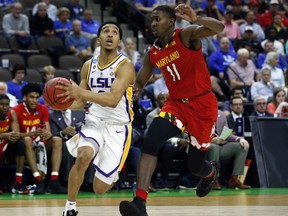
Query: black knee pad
[[158, 133]]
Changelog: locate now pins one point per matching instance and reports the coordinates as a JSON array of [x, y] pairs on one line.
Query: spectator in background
[[65, 124], [218, 62], [33, 119], [260, 107], [142, 17], [11, 145], [17, 83], [269, 47], [77, 43], [239, 11], [63, 25], [40, 23], [145, 6], [231, 27], [237, 107], [217, 41], [76, 9], [277, 74], [279, 27], [213, 9], [226, 148], [271, 35], [278, 98], [258, 33], [16, 23], [235, 92], [48, 74], [131, 52], [265, 87], [3, 90], [89, 26], [265, 19], [249, 42], [51, 9], [242, 72], [282, 110]]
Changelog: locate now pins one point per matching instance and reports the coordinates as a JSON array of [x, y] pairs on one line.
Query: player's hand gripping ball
[[50, 93]]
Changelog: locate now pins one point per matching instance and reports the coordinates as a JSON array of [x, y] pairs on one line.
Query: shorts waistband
[[188, 100]]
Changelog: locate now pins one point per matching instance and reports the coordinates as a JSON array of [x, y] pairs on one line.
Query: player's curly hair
[[167, 10], [4, 96], [110, 22], [31, 87]]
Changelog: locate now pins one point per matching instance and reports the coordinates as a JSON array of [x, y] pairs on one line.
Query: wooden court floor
[[262, 202]]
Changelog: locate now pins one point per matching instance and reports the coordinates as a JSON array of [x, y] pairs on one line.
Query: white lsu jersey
[[99, 80]]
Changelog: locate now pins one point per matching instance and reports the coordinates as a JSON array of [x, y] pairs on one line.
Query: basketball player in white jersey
[[106, 81]]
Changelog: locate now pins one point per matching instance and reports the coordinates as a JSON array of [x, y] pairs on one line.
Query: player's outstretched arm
[[206, 26]]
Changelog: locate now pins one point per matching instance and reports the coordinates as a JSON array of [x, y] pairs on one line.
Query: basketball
[[50, 93]]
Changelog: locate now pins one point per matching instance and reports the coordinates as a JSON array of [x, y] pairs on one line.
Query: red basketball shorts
[[197, 116]]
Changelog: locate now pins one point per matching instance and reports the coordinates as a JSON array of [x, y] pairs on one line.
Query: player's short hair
[[167, 10], [110, 22], [18, 67], [4, 96], [31, 87]]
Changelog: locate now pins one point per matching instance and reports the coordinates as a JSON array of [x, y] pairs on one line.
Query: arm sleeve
[[26, 24], [7, 27]]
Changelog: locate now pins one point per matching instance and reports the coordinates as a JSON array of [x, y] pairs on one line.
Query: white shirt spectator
[[51, 10]]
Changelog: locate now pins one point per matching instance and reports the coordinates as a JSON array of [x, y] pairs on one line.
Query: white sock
[[70, 206]]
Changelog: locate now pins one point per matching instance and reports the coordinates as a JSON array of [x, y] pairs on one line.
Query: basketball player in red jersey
[[34, 125], [10, 144], [191, 105]]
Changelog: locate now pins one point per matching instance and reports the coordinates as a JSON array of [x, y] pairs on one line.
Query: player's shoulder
[[41, 107], [18, 107]]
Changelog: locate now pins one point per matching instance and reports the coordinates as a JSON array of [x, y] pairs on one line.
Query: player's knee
[[151, 146], [100, 187], [57, 141], [28, 141], [83, 160], [99, 190]]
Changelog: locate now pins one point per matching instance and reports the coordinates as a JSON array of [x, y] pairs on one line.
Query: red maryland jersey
[[4, 128], [184, 70], [30, 120]]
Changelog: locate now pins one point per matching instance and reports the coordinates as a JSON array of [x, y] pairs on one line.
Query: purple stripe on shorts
[[116, 168]]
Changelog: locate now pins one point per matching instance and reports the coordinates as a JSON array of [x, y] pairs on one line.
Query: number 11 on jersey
[[173, 72]]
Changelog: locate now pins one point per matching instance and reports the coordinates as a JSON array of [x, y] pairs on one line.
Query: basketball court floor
[[252, 202]]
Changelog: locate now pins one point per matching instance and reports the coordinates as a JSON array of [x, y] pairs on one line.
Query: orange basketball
[[50, 93]]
